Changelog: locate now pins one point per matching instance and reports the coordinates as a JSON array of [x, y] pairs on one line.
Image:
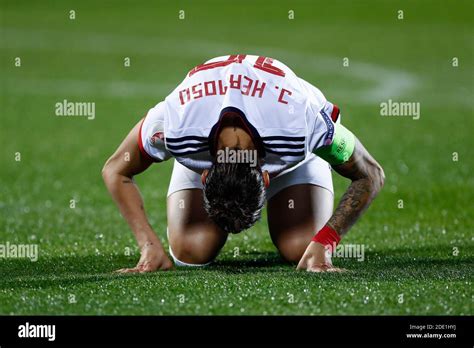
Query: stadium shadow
[[251, 260]]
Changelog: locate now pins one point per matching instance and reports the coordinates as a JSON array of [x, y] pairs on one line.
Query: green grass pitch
[[419, 257]]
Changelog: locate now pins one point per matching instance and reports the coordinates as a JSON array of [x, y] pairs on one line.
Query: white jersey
[[287, 117]]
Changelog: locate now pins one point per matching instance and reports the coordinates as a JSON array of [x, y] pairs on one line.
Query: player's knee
[[292, 249], [194, 247], [189, 252]]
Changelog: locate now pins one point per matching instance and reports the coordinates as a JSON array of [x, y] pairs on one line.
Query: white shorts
[[312, 170]]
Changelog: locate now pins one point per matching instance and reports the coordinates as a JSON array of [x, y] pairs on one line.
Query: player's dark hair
[[234, 195]]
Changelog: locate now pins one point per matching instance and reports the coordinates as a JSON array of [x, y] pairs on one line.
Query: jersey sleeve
[[327, 137], [321, 117], [151, 136]]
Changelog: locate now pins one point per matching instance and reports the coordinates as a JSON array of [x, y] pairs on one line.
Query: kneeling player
[[250, 105]]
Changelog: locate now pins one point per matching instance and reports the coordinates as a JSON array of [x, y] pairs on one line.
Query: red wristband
[[328, 237]]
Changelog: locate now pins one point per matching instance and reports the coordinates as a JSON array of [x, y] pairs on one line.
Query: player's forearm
[[130, 203], [367, 180], [354, 202]]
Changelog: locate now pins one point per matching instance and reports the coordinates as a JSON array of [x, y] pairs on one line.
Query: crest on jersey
[[158, 134]]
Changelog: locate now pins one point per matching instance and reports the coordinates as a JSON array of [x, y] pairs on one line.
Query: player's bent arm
[[350, 159], [118, 173], [367, 180]]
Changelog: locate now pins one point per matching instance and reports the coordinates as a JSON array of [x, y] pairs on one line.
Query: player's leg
[[300, 203], [194, 239]]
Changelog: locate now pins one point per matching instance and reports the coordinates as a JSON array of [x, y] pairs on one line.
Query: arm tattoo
[[367, 179]]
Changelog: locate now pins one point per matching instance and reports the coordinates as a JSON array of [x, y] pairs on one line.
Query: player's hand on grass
[[316, 259], [153, 258]]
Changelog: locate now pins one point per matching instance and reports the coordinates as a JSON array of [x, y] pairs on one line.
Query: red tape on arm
[[328, 237]]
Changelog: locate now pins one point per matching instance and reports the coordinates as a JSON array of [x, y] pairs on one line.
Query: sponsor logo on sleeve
[[330, 126]]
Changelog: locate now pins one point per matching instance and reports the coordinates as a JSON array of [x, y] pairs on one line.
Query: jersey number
[[262, 63]]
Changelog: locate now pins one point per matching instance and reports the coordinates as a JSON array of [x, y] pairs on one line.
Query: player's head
[[234, 195], [234, 187]]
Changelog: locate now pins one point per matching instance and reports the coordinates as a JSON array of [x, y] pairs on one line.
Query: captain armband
[[341, 148]]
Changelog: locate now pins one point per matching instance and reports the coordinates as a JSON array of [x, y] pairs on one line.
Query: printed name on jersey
[[210, 88], [246, 85]]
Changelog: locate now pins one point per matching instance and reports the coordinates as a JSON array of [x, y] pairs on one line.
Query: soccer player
[[244, 130]]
